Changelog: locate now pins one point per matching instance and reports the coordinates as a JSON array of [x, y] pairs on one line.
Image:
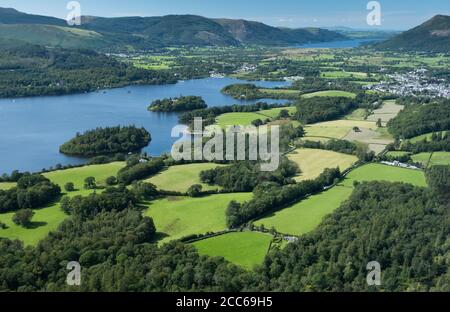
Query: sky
[[396, 14]]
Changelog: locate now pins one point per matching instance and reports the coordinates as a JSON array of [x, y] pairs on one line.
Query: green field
[[440, 158], [6, 185], [77, 176], [246, 119], [422, 158], [176, 217], [380, 172], [280, 92], [180, 178], [306, 215], [337, 129], [48, 219], [396, 154], [330, 93], [358, 114], [343, 74], [432, 159], [245, 249], [423, 137], [313, 162]]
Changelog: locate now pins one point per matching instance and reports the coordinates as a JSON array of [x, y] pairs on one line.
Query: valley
[[88, 120]]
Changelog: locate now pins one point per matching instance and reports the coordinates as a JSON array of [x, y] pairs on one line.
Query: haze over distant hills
[[148, 32], [433, 35]]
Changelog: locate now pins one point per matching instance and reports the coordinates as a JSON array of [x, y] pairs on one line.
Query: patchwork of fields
[[306, 215], [48, 218], [432, 159]]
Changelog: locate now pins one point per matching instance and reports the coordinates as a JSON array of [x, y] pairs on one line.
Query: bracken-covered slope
[[433, 36]]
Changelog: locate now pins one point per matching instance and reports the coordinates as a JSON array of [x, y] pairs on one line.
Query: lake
[[344, 44], [32, 129]]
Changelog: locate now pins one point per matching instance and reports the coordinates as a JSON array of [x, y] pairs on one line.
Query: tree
[[69, 187], [195, 190], [379, 123], [110, 181], [144, 191], [284, 114], [438, 178], [257, 122], [23, 217], [90, 183]]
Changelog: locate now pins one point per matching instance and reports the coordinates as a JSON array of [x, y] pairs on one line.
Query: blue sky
[[397, 14]]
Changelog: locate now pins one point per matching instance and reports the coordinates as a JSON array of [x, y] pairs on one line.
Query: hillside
[[27, 70], [12, 16], [151, 32], [433, 36], [55, 36], [248, 32]]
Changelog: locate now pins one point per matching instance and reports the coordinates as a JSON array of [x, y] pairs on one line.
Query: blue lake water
[[32, 129], [354, 43]]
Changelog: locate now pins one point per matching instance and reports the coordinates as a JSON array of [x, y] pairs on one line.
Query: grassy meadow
[[306, 215], [313, 162], [176, 217], [330, 93], [48, 218], [246, 119], [180, 178], [245, 249]]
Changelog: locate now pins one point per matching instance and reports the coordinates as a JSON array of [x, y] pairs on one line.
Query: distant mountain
[[248, 32], [151, 32], [171, 30], [433, 36], [12, 16]]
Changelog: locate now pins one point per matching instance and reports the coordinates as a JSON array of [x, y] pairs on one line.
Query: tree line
[[271, 196]]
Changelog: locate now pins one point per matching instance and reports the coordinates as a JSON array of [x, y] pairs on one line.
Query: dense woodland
[[180, 104], [30, 70], [32, 191], [320, 109], [246, 91], [244, 176], [439, 141], [404, 228], [419, 119], [106, 141]]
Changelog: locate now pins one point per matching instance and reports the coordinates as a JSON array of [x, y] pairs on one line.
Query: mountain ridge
[[433, 36], [169, 30]]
